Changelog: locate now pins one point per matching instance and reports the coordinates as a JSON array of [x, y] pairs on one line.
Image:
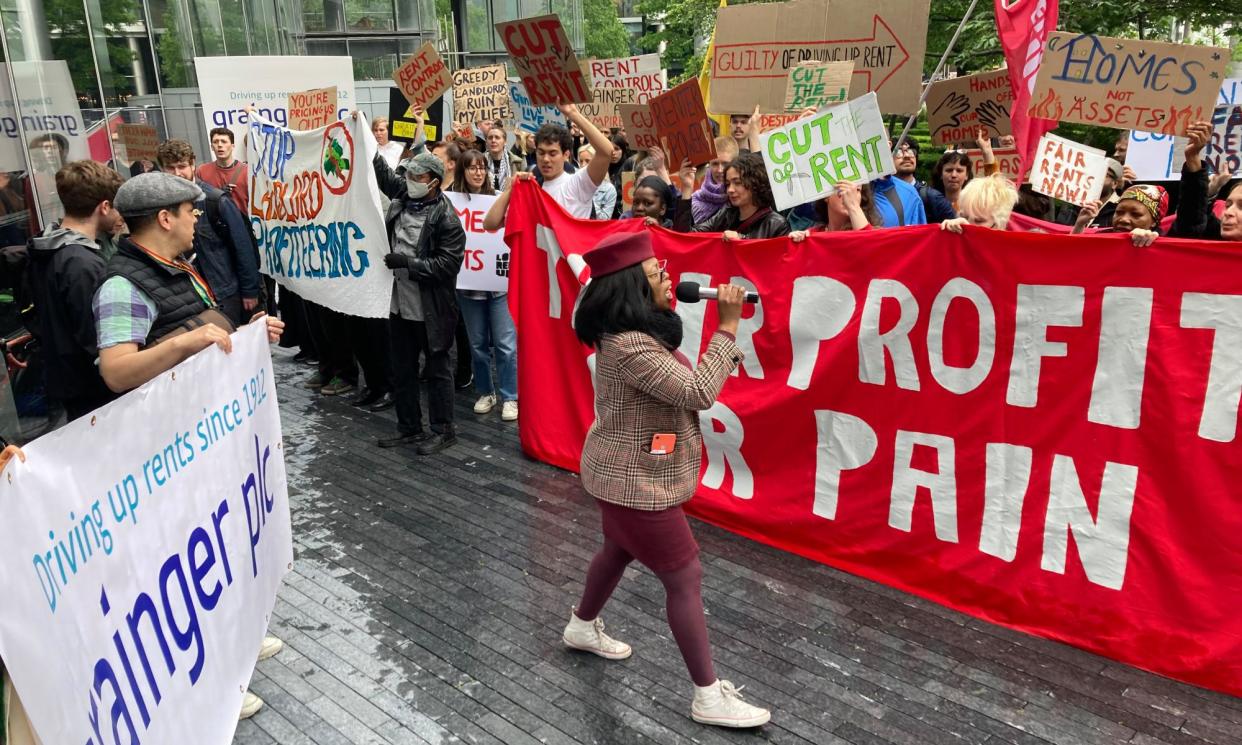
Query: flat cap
[[149, 193], [618, 251], [425, 163]]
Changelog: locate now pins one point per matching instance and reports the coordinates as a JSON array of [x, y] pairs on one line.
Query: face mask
[[417, 189]]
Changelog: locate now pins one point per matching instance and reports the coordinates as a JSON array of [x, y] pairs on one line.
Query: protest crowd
[[146, 270]]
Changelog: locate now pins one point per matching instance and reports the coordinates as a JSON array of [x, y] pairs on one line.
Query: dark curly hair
[[754, 176], [952, 157]]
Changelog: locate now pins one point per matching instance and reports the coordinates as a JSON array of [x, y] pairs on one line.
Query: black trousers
[[408, 339], [297, 330], [369, 337], [330, 330]]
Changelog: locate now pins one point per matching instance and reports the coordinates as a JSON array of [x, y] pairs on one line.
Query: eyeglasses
[[905, 150], [660, 270], [197, 212], [477, 167]]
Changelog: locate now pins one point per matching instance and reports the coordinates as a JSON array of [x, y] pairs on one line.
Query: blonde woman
[[986, 202]]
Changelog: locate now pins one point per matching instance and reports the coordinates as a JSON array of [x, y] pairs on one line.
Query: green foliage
[[70, 40], [174, 68], [605, 36], [685, 24]]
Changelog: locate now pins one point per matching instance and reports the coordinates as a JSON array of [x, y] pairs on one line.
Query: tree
[[605, 37], [70, 41], [683, 26]]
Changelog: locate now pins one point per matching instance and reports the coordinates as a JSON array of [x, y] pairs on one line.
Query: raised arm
[[598, 167]]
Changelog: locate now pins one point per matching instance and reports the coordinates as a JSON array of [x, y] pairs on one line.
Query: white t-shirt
[[573, 191], [392, 152]]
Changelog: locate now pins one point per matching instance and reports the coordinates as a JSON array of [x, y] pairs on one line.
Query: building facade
[[73, 70]]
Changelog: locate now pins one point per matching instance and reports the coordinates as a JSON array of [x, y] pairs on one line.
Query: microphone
[[691, 292]]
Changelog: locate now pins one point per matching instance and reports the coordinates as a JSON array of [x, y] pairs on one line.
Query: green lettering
[[840, 164], [772, 141], [819, 170]]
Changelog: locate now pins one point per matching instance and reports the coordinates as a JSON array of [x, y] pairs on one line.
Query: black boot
[[367, 397], [385, 401], [400, 440], [438, 441]]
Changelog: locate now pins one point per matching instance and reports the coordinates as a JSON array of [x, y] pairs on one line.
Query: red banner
[[1035, 430], [1023, 27]]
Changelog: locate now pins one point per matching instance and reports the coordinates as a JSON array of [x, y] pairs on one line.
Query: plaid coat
[[642, 389]]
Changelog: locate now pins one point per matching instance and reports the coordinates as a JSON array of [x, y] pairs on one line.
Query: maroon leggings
[[661, 541]]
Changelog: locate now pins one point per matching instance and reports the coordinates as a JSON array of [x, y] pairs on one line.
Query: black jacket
[[1195, 218], [223, 251], [65, 269], [772, 225], [440, 251], [170, 288]]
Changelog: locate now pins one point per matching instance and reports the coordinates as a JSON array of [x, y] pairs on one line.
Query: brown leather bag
[[211, 316]]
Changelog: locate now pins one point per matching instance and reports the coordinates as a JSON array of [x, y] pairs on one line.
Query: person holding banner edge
[[642, 454]]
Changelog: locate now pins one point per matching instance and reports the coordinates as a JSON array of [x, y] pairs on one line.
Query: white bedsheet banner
[[141, 548], [315, 213]]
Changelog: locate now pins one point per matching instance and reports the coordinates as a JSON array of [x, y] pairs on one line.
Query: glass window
[[369, 15]]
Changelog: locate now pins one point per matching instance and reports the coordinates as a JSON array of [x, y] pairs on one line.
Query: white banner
[[141, 548], [807, 157], [227, 85], [315, 213], [486, 265], [1158, 157]]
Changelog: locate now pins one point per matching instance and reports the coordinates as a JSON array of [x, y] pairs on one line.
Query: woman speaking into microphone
[[641, 457]]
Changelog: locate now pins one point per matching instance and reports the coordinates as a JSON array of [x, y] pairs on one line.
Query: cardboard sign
[[140, 141], [1009, 160], [423, 77], [526, 115], [639, 126], [620, 81], [958, 107], [627, 190], [1127, 84], [1068, 171], [885, 39], [814, 84], [1157, 157], [1222, 151], [401, 120], [545, 60], [312, 109], [481, 94], [806, 158], [681, 124]]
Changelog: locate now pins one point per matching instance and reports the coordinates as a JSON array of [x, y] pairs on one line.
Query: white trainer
[[250, 706], [589, 636], [508, 411], [270, 647], [721, 704], [485, 403]]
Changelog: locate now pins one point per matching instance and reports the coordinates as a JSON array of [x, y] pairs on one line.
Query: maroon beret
[[618, 251]]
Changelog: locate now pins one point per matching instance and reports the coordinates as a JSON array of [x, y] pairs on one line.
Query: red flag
[[1023, 26]]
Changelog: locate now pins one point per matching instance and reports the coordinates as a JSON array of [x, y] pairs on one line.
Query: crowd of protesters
[[139, 274]]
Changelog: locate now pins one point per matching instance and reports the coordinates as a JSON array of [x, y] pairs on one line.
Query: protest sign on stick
[[481, 94], [1068, 171], [528, 116], [639, 125], [545, 60], [1152, 86], [681, 124], [958, 107], [814, 84], [140, 141], [312, 109], [423, 77], [805, 159], [885, 39]]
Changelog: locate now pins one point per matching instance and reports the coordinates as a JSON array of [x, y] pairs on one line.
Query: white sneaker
[[508, 411], [250, 706], [589, 636], [485, 403], [270, 647], [721, 704]]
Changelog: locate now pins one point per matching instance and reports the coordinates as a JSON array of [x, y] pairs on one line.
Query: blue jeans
[[491, 330]]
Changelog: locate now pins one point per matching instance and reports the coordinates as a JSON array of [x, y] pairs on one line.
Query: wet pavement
[[428, 596]]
